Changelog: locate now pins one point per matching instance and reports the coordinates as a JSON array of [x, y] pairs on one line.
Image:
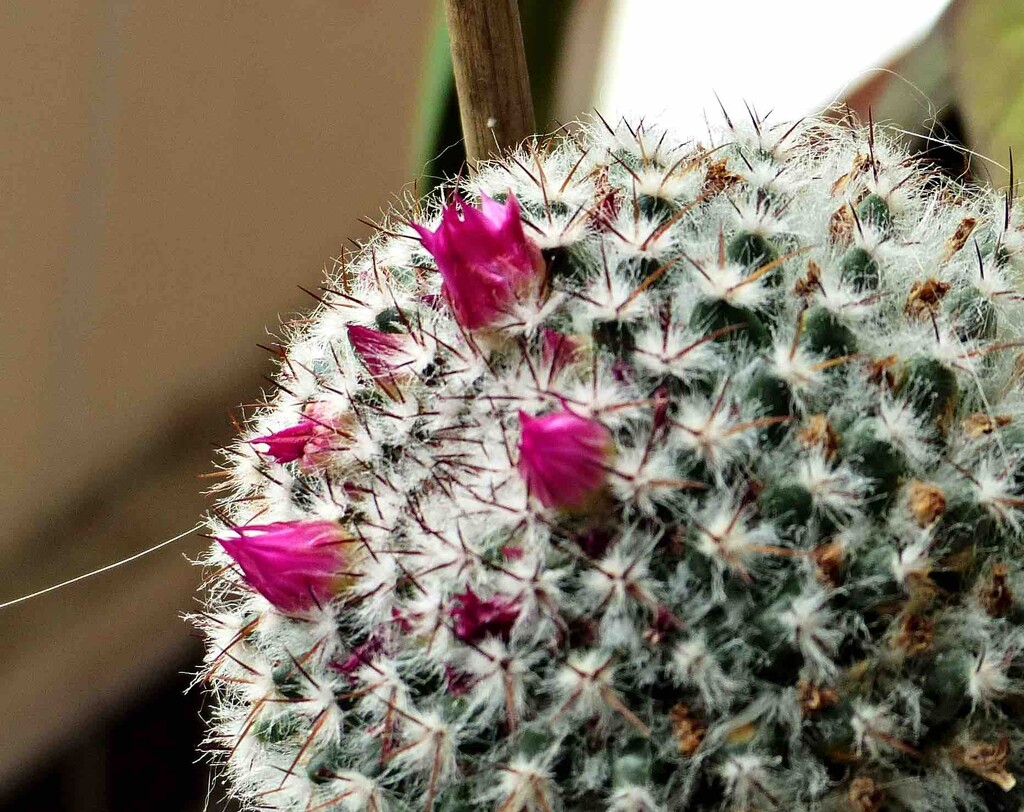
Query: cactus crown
[[699, 488]]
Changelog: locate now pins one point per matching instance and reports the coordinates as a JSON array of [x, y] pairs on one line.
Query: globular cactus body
[[646, 476]]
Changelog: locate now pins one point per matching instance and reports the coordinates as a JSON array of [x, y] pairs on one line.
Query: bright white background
[[667, 58]]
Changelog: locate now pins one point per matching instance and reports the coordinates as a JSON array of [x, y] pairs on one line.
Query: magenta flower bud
[[457, 683], [383, 354], [562, 457], [513, 552], [314, 434], [361, 655], [558, 350], [595, 541], [476, 619], [288, 445], [486, 262], [604, 213], [294, 565]]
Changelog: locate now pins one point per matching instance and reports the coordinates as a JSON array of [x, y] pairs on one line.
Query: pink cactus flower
[[476, 619], [294, 565], [314, 434], [383, 354], [562, 457], [486, 262]]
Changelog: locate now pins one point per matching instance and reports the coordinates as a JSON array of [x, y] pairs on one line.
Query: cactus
[[639, 475]]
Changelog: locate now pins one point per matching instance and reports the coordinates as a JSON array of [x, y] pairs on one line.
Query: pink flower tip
[[476, 619], [361, 655], [383, 354], [305, 441], [559, 350], [486, 262], [294, 565], [562, 457], [457, 683]]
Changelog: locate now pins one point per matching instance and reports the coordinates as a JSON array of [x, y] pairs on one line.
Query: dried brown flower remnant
[[840, 183], [924, 297], [864, 795], [980, 424], [927, 502], [817, 433], [841, 225], [915, 635], [864, 162], [807, 285], [719, 178], [688, 729], [988, 761], [880, 372], [959, 237], [813, 698], [828, 562], [861, 164], [995, 595]]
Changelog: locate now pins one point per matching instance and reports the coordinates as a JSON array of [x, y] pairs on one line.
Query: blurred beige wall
[[169, 173]]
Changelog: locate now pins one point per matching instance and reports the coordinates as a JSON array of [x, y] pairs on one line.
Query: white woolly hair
[[483, 651]]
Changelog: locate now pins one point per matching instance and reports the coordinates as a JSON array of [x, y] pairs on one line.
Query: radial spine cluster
[[639, 475]]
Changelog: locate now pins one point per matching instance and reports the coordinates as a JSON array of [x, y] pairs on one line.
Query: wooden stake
[[490, 75]]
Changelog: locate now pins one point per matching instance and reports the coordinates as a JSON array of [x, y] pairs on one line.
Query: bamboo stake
[[490, 75]]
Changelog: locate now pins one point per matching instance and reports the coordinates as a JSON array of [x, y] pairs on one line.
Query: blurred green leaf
[[986, 44], [964, 81], [544, 30], [436, 95]]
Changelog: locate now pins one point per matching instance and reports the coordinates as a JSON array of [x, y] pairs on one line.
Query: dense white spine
[[812, 508]]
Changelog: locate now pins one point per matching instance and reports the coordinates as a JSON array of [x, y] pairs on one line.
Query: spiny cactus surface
[[641, 475]]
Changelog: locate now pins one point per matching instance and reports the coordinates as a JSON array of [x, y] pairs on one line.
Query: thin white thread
[[101, 570], [930, 107]]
